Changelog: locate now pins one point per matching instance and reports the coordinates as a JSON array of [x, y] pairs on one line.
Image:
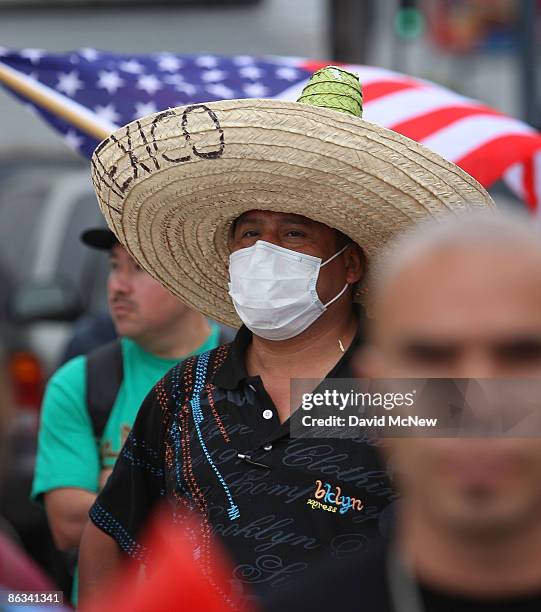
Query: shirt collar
[[233, 370]]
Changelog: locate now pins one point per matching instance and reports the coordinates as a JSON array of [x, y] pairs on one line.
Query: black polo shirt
[[208, 438]]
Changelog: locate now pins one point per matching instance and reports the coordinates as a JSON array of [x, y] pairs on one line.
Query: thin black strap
[[104, 374]]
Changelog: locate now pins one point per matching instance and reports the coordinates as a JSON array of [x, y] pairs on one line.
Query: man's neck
[[311, 354], [498, 566], [305, 355], [178, 341]]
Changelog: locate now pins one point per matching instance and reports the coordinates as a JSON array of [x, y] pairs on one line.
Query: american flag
[[87, 94]]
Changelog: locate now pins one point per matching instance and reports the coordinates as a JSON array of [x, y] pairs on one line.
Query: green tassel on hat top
[[335, 88]]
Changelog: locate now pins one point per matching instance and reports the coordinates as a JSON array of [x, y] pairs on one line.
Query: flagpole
[[64, 108]]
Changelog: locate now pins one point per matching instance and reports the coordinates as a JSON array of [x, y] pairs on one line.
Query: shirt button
[[252, 388], [267, 447], [267, 414]]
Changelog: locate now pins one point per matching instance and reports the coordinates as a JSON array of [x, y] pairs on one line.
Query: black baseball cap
[[99, 238]]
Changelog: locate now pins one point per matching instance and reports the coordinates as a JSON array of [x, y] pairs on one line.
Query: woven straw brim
[[171, 184]]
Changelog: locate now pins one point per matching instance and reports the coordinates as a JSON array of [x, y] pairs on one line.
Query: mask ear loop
[[335, 255], [337, 296], [345, 288]]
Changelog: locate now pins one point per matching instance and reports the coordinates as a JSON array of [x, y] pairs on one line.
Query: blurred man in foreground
[[459, 300]]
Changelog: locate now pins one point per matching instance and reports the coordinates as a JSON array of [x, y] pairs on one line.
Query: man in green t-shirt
[[156, 332]]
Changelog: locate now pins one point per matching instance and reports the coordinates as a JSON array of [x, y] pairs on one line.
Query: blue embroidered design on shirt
[[106, 522], [200, 377]]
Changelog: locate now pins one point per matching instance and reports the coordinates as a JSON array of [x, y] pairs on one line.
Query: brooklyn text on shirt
[[331, 499], [268, 532]]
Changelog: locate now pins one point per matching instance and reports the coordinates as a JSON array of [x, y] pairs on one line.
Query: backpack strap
[[104, 375]]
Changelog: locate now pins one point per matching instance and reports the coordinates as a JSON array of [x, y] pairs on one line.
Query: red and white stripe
[[484, 142]]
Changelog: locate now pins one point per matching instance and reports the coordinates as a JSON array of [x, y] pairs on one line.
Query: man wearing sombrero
[[265, 213]]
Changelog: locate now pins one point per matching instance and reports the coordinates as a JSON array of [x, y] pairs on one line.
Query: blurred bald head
[[460, 298]]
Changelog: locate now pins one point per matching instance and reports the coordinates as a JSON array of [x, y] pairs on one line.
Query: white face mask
[[274, 289]]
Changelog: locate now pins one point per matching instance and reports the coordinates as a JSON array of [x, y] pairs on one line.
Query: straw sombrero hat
[[171, 184]]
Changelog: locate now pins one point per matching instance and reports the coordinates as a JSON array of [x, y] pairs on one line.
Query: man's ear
[[355, 263]]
